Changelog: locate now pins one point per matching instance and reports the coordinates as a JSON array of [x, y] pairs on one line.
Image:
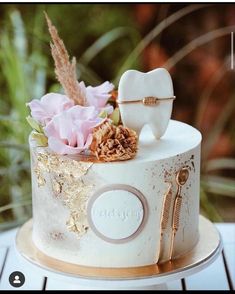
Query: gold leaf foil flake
[[67, 181], [56, 187], [77, 223], [40, 179], [40, 168], [67, 167], [42, 162], [76, 200]]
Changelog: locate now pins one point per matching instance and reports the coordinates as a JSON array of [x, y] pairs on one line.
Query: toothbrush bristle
[[166, 209], [176, 219]]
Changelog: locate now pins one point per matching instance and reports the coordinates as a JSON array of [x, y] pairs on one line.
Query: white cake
[[110, 214], [110, 190]]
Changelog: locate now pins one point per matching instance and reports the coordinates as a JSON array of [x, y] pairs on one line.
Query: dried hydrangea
[[113, 143]]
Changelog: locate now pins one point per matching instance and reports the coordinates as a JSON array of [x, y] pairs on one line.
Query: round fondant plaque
[[117, 213]]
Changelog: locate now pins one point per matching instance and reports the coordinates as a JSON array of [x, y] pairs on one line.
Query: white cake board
[[153, 277]]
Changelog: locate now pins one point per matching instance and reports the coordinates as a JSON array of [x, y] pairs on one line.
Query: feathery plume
[[64, 69]]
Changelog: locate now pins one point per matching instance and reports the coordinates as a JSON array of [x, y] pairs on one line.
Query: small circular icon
[[17, 279]]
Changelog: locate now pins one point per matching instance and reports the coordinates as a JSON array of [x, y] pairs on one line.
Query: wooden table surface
[[218, 276]]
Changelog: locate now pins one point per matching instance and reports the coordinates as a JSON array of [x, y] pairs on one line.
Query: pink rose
[[48, 106], [98, 96], [70, 132]]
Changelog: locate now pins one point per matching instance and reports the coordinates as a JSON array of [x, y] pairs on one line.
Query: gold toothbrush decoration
[[165, 212], [165, 216], [181, 179]]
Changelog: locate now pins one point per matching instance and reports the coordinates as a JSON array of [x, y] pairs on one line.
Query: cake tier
[[119, 214]]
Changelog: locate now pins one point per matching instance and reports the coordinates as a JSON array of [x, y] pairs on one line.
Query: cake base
[[203, 254]]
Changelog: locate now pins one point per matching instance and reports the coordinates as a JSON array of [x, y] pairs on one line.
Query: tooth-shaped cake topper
[[146, 98]]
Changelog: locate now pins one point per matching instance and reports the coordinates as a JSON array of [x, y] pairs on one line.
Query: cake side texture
[[110, 214]]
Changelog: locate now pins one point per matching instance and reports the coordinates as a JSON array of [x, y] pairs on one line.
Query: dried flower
[[64, 69], [113, 143]]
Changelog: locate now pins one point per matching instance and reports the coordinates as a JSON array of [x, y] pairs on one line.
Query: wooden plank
[[33, 279], [174, 285], [211, 278], [229, 254], [227, 231], [3, 255], [58, 284], [7, 238]]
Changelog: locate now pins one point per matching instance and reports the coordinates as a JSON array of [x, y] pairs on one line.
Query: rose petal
[[61, 148], [48, 106], [70, 132], [99, 95]]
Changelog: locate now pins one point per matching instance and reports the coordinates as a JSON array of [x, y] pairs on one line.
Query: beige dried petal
[[113, 143]]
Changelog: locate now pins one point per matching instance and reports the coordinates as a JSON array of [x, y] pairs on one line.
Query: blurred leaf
[[206, 94], [153, 34], [15, 205], [55, 88], [219, 185], [19, 40], [18, 61], [16, 198], [220, 163], [208, 208], [7, 118], [13, 145], [203, 39], [7, 225], [40, 138], [88, 74], [115, 116], [104, 41], [34, 124], [217, 128], [38, 70]]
